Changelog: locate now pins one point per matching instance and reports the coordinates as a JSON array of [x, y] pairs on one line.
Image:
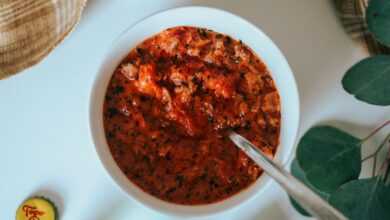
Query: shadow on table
[[269, 212], [91, 7], [111, 209], [114, 209], [51, 194]]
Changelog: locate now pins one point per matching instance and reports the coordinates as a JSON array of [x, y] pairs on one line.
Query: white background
[[45, 144]]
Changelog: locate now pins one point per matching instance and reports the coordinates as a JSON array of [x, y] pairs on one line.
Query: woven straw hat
[[30, 29], [352, 14]]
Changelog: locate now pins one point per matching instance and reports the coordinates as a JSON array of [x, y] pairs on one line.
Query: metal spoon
[[308, 199]]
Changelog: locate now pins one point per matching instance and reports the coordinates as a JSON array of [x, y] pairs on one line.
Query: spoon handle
[[308, 199]]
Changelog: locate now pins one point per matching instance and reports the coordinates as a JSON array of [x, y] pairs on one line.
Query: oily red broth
[[170, 104]]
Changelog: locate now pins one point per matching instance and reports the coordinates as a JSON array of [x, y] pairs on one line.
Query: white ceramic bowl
[[223, 22]]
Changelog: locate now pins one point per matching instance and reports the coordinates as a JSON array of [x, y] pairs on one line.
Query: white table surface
[[45, 143]]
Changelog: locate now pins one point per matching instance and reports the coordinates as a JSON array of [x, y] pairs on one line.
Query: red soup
[[170, 104]]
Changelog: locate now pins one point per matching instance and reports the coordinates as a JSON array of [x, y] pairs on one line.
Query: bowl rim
[[113, 57]]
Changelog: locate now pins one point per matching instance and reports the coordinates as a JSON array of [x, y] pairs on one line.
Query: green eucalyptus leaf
[[297, 171], [369, 80], [364, 199], [329, 157], [378, 20]]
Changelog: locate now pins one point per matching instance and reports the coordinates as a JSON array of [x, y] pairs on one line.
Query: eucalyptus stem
[[376, 130], [383, 166], [386, 166], [378, 149], [375, 155]]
